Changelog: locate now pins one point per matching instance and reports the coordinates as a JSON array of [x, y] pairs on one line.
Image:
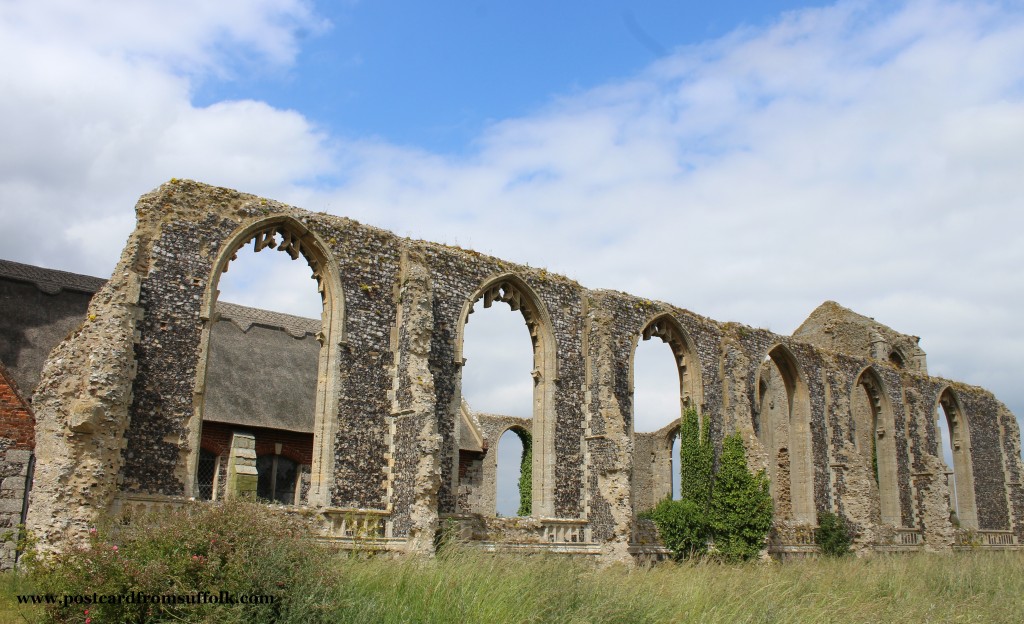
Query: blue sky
[[434, 75], [746, 161]]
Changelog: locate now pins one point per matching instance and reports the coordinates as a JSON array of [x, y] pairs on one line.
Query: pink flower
[[114, 548], [92, 531]]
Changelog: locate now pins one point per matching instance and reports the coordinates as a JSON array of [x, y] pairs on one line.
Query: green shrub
[[833, 535], [237, 547], [731, 508], [683, 527], [741, 505]]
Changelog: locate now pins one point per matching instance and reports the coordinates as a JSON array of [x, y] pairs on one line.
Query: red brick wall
[[16, 420], [297, 447]]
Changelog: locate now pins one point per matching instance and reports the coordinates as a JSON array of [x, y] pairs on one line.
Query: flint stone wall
[[396, 410]]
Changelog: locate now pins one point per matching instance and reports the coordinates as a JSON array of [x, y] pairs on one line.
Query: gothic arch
[[961, 496], [657, 471], [511, 289], [874, 436], [782, 411], [669, 330], [527, 441], [288, 235]]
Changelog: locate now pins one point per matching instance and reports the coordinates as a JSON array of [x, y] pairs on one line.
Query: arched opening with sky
[[496, 379]]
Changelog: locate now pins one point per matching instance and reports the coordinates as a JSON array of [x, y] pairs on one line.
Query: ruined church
[[144, 391]]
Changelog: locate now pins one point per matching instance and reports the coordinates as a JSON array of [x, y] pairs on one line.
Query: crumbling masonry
[[842, 414]]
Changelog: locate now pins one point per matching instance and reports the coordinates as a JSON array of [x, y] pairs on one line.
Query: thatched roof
[[262, 370]]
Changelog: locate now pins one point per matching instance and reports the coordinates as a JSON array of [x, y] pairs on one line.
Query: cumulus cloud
[[864, 152], [857, 152], [97, 109]]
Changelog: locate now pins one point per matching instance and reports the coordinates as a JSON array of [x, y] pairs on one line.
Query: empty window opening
[[263, 362], [514, 478], [267, 280], [656, 393], [496, 378], [500, 379], [663, 386], [510, 372], [954, 444]]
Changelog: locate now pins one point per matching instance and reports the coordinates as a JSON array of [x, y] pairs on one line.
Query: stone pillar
[[414, 475], [242, 476], [608, 447], [879, 346]]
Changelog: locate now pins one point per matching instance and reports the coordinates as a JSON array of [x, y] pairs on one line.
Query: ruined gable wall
[[835, 328], [396, 410]]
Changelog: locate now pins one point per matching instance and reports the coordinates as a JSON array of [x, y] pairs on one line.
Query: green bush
[[741, 505], [732, 508], [833, 535], [683, 527], [237, 547]]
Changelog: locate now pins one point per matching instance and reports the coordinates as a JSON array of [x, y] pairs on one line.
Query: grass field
[[474, 587]]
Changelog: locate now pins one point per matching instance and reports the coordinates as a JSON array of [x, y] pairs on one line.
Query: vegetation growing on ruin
[[833, 535], [730, 509], [526, 475]]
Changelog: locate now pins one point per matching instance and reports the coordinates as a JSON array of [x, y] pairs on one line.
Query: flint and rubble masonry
[[119, 404]]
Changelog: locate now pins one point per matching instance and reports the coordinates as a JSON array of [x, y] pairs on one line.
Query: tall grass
[[476, 587], [315, 585]]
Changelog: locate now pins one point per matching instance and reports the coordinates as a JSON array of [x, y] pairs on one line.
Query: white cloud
[[97, 110], [860, 152], [854, 153]]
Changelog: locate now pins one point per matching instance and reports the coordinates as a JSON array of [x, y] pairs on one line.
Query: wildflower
[[114, 547], [92, 531]]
